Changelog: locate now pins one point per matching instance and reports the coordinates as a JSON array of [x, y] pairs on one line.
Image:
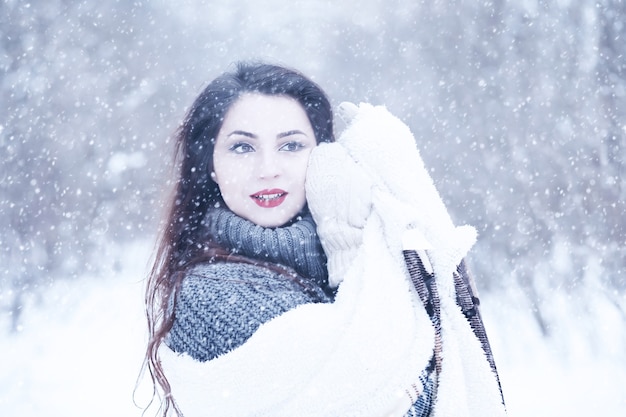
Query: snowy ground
[[80, 350], [579, 371]]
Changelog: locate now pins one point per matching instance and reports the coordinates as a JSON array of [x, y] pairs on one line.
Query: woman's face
[[261, 156]]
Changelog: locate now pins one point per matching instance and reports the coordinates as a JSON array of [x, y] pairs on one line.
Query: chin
[[271, 222]]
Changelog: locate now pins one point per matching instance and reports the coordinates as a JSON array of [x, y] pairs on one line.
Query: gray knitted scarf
[[296, 245]]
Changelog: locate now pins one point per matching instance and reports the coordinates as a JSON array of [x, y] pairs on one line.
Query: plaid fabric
[[424, 399], [469, 303], [424, 283]]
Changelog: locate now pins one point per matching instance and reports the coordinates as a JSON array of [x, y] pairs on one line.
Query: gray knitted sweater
[[220, 305]]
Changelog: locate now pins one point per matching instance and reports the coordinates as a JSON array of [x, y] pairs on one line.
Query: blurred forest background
[[518, 107]]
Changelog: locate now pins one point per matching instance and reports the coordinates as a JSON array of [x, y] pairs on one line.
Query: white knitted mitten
[[339, 197], [385, 148]]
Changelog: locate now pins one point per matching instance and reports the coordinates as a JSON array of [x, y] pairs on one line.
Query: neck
[[295, 245]]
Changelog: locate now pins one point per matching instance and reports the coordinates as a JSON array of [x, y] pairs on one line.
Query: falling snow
[[518, 108]]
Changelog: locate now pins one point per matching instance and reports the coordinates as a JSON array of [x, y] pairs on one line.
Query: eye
[[292, 146], [241, 147]]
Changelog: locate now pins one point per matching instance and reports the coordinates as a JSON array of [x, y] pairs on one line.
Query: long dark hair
[[181, 244]]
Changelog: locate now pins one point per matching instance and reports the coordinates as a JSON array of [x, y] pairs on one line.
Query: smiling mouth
[[269, 198]]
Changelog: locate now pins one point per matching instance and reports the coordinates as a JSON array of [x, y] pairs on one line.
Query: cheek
[[300, 167], [230, 172], [231, 185]]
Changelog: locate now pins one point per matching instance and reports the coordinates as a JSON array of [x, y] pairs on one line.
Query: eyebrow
[[253, 136], [242, 133], [289, 133]]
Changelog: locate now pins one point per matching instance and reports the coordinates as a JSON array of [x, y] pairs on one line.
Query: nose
[[268, 165]]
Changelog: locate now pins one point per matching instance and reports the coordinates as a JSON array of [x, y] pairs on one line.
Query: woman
[[200, 205], [240, 284]]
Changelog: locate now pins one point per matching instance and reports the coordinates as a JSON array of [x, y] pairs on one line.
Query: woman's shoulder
[[224, 279], [220, 305], [233, 274]]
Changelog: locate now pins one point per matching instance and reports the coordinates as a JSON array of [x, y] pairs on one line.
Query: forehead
[[254, 109]]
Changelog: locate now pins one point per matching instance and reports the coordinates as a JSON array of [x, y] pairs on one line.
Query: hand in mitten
[[347, 111], [339, 197], [386, 149]]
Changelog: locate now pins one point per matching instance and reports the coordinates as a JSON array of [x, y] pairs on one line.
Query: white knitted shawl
[[360, 355]]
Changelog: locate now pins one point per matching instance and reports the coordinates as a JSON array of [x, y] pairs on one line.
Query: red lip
[[269, 198]]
